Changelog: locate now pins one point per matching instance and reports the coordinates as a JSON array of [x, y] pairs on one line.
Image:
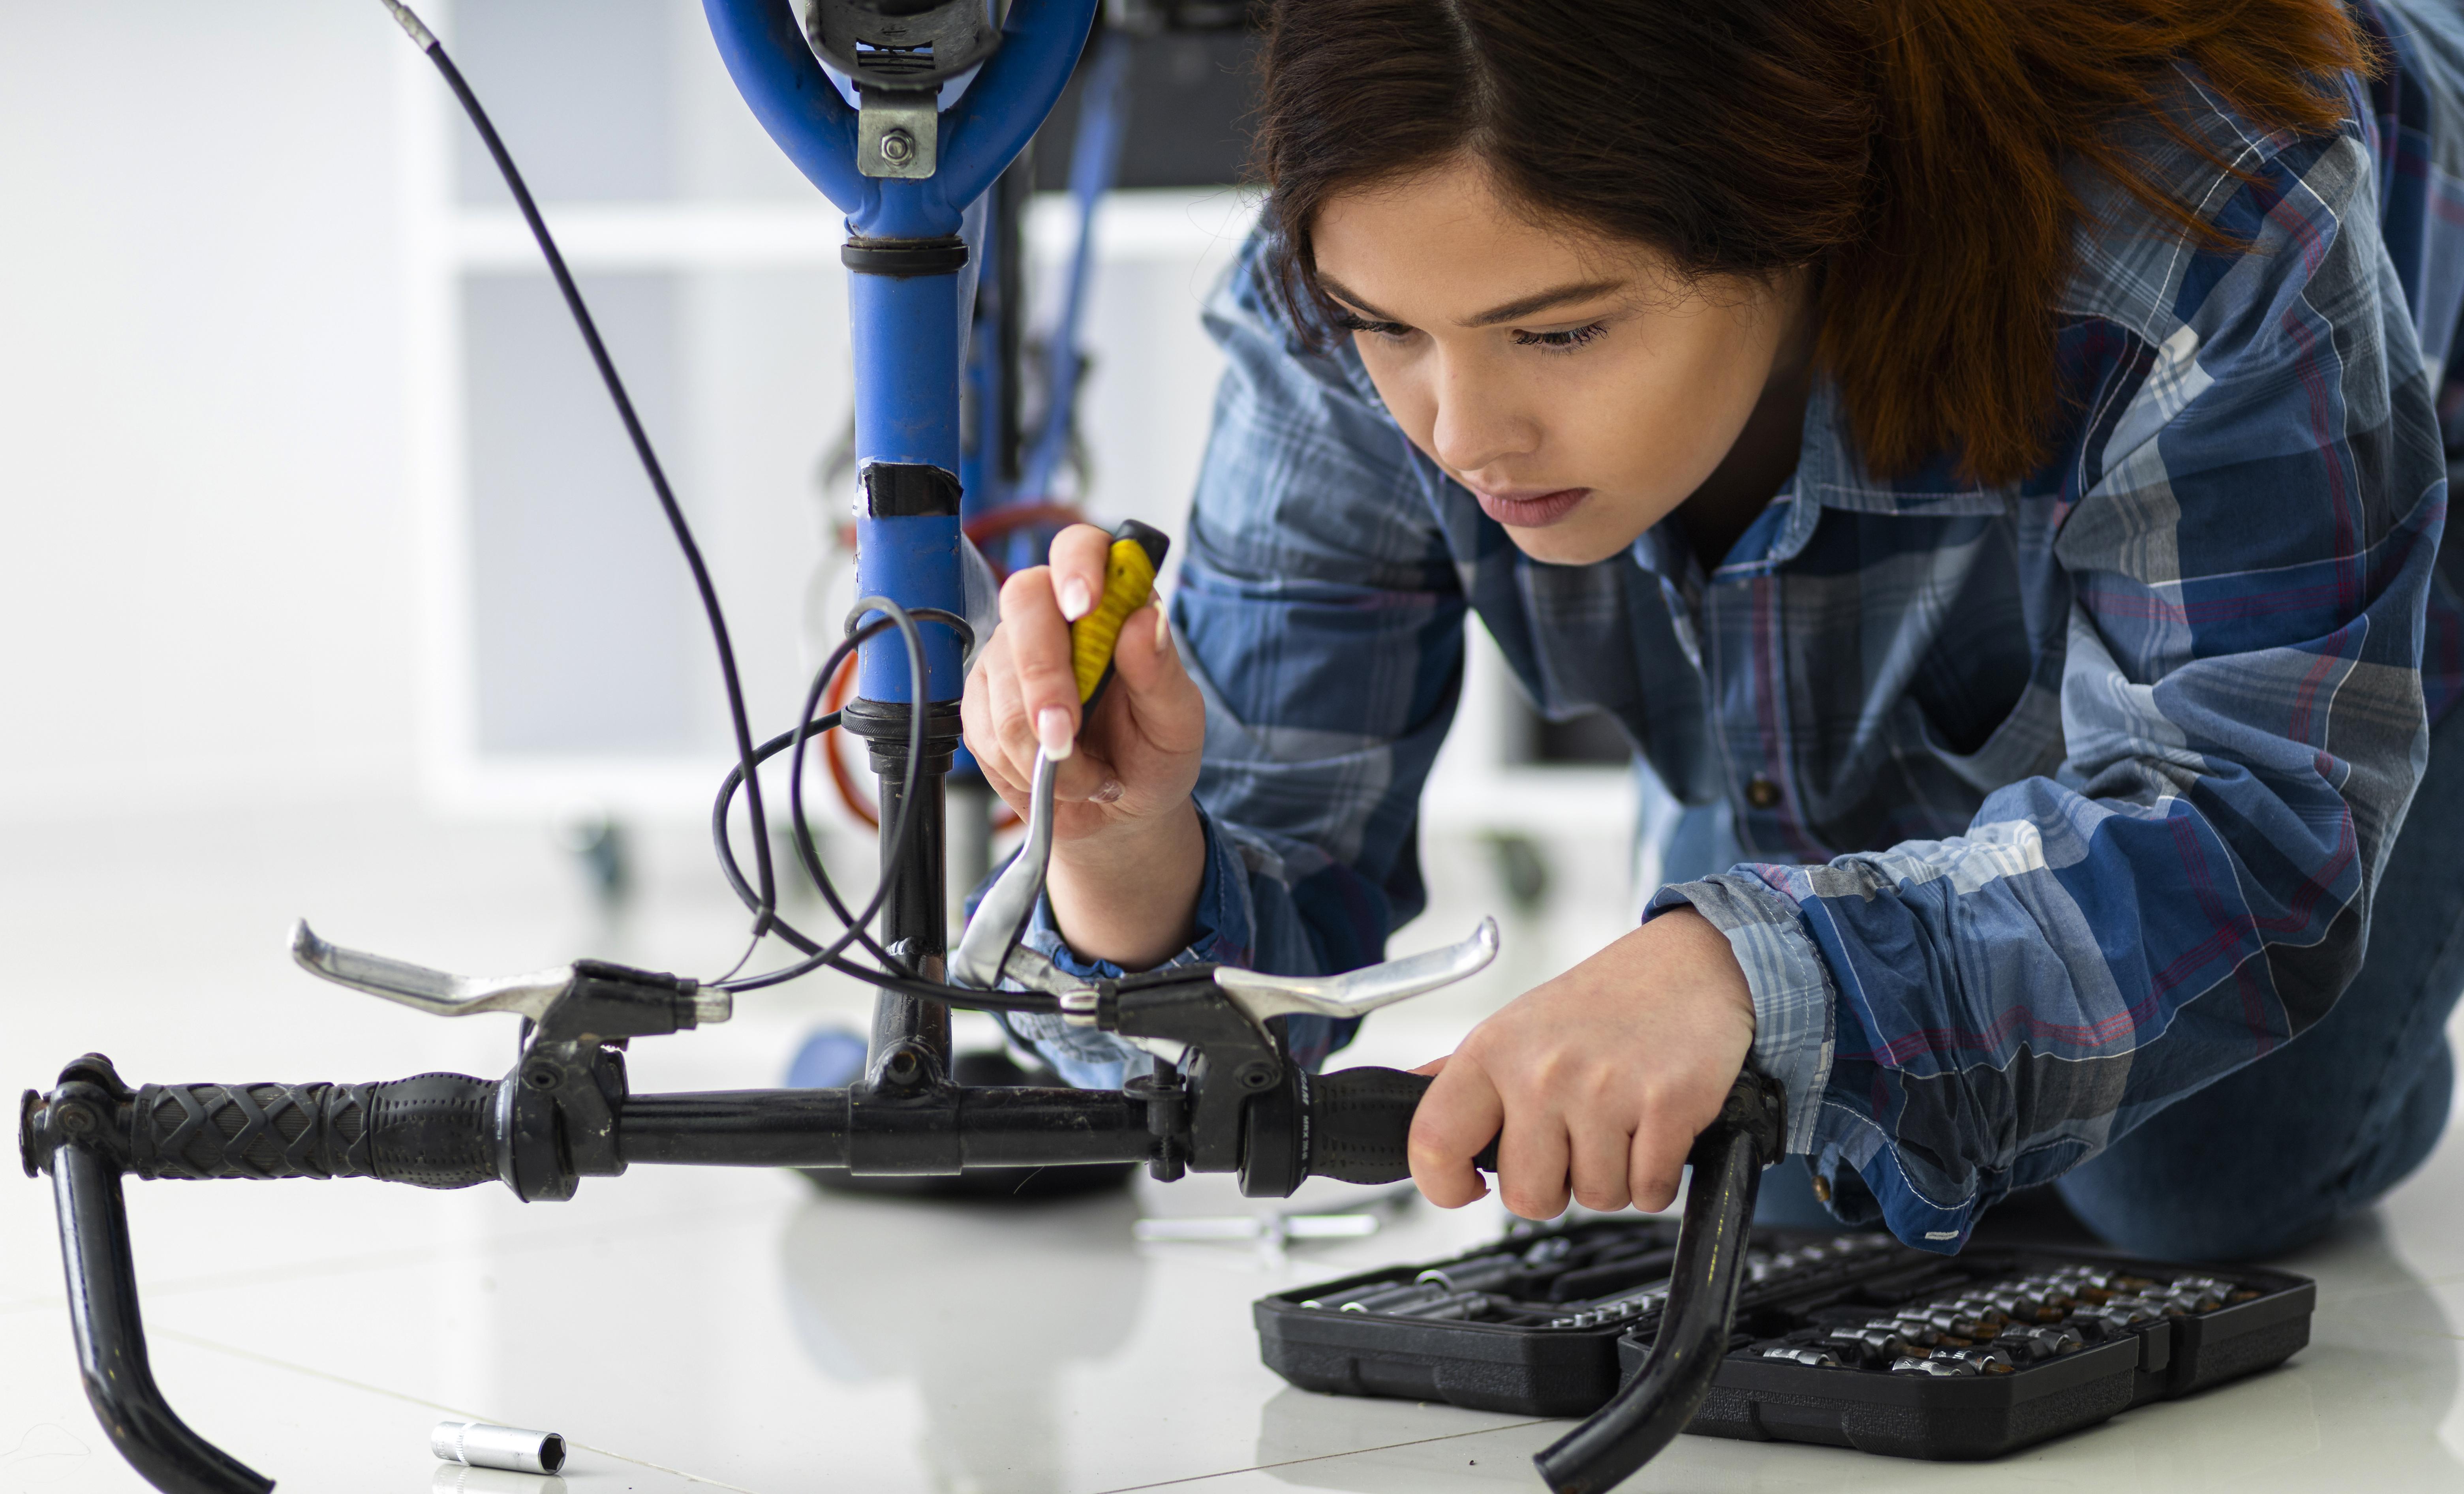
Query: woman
[[1988, 449]]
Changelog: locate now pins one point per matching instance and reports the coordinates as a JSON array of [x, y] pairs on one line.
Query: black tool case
[[1846, 1340]]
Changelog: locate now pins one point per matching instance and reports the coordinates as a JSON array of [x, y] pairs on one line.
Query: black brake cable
[[419, 33], [763, 899]]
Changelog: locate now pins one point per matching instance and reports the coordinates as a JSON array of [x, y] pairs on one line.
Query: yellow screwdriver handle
[[1129, 584]]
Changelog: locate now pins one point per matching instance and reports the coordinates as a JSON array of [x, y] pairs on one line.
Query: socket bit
[[1456, 1306], [1984, 1361], [2154, 1306], [480, 1444], [2020, 1306], [1374, 1296], [1951, 1323], [2103, 1279], [2116, 1317], [1549, 1252], [1813, 1358], [1916, 1330], [2043, 1341], [2054, 1294], [1945, 1369], [1875, 1346], [1479, 1274]]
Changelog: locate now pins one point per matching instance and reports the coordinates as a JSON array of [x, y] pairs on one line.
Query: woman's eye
[[1562, 341], [1389, 330]]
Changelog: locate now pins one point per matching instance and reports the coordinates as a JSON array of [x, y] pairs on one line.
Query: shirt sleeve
[[2241, 699], [1321, 619]]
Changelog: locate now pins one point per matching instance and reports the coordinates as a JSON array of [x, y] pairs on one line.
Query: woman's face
[[1577, 387]]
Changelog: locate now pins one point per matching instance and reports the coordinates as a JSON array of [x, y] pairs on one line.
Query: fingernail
[[1109, 792], [1052, 732], [1077, 601], [1163, 630]]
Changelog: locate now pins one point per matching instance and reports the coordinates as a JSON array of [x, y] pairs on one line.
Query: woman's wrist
[[1129, 896]]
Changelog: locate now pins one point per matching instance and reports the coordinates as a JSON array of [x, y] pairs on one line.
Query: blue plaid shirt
[[2060, 799]]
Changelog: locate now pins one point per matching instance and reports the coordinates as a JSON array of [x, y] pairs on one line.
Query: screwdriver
[[993, 935], [1130, 569]]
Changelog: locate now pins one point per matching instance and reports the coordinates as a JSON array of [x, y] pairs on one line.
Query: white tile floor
[[693, 1329]]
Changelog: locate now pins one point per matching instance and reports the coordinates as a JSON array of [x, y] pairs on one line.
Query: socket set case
[[1846, 1340]]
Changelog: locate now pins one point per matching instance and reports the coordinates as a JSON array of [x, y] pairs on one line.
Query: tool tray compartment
[[1845, 1340]]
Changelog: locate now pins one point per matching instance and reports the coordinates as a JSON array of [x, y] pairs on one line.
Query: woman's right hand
[[1128, 852]]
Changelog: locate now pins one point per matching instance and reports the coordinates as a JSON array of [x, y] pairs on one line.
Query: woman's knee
[[2186, 1186]]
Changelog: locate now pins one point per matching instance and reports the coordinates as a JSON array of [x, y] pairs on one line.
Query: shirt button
[[1763, 794]]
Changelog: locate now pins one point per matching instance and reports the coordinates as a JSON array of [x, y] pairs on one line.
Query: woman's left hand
[[1598, 1081]]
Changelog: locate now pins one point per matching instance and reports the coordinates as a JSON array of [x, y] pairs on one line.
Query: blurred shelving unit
[[568, 674], [568, 671]]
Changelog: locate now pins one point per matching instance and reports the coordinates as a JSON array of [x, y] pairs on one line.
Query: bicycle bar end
[[69, 1134], [1648, 1410]]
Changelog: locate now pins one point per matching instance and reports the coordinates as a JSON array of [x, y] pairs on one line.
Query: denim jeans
[[2275, 1154]]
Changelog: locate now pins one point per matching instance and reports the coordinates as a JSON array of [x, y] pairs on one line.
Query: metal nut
[[897, 147]]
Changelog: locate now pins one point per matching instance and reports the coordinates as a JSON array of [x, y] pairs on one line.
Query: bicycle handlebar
[[451, 1131], [1360, 1126], [430, 1130]]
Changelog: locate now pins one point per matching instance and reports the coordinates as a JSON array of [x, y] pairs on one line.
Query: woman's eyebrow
[[1545, 300], [1336, 289], [1511, 311]]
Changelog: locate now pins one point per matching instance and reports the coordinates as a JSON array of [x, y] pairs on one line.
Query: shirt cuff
[[1093, 1060], [1219, 926], [1790, 986]]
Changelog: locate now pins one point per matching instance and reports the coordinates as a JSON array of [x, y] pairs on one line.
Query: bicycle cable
[[762, 896]]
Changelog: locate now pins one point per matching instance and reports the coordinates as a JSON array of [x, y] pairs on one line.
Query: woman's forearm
[[1130, 899]]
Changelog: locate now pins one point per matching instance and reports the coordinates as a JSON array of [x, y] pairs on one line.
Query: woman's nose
[[1479, 422]]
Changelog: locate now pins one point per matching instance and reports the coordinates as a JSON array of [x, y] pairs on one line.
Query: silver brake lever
[[991, 943], [1357, 992], [1001, 919], [430, 991]]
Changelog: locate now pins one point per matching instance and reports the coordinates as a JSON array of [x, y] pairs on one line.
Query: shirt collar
[[1830, 474]]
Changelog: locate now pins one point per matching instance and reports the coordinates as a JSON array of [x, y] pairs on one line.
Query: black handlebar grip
[[1360, 1125], [431, 1131]]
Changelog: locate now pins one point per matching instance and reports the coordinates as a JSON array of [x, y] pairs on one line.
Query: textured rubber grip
[[433, 1131], [1359, 1125]]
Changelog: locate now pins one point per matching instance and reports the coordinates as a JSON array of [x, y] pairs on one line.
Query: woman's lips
[[1530, 509]]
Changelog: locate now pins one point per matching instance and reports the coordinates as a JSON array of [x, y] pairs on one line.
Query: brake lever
[[1357, 993], [990, 940], [538, 995], [426, 990]]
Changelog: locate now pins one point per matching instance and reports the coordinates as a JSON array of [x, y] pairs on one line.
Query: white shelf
[[648, 236]]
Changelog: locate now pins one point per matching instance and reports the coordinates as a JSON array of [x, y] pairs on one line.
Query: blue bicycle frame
[[908, 329], [908, 320]]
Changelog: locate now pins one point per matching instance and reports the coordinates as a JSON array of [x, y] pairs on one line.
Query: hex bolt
[[897, 147], [539, 1078], [1256, 1076], [76, 1119]]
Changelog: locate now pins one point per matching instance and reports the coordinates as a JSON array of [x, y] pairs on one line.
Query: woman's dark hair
[[1910, 151]]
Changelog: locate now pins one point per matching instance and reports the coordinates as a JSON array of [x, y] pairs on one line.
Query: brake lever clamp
[[560, 1106], [1241, 1090]]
